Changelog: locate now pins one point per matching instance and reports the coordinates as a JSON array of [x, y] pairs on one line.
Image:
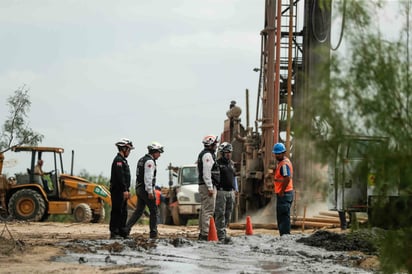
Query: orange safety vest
[[157, 192], [278, 185]]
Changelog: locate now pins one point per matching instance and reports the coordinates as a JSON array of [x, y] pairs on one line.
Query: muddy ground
[[85, 248]]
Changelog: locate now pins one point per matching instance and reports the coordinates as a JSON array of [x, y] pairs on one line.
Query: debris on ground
[[359, 240], [86, 248], [361, 244], [255, 253]]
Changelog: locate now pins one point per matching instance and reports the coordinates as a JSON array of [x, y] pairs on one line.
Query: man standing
[[283, 185], [225, 191], [119, 189], [145, 188], [208, 178]]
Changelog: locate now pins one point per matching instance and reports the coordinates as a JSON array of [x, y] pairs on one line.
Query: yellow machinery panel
[[60, 208]]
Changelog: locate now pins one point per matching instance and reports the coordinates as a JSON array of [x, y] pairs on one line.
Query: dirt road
[[84, 248]]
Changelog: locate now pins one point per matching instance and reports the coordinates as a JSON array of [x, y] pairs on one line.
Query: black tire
[[99, 217], [178, 219], [27, 205], [165, 215], [183, 220], [82, 213]]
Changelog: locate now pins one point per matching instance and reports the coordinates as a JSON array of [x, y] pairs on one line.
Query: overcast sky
[[100, 70]]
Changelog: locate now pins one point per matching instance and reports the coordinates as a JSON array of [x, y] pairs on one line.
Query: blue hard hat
[[279, 148]]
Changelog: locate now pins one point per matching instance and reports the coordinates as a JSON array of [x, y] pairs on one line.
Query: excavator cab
[[52, 166]]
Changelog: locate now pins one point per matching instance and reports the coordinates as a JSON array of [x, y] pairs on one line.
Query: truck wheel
[[82, 213], [178, 219], [100, 216], [183, 220], [27, 205], [165, 216]]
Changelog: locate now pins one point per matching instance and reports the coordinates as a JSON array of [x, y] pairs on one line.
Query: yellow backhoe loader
[[30, 196]]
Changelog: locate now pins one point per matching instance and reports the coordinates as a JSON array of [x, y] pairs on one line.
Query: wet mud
[[321, 252], [364, 241]]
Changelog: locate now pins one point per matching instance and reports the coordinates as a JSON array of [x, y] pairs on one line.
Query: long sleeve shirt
[[149, 175], [208, 163]]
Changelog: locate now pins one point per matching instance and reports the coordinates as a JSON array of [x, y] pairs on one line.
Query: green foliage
[[193, 222], [61, 218], [98, 179], [395, 253], [368, 92], [15, 129]]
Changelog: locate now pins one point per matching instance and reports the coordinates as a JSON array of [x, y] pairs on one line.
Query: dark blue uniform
[[225, 197], [119, 183]]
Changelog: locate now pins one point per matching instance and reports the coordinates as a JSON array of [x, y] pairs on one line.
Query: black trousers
[[143, 200], [118, 215]]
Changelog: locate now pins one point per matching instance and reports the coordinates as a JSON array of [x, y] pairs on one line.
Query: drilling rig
[[295, 42]]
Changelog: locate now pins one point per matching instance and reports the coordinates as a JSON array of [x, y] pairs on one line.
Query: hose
[[342, 27], [320, 40]]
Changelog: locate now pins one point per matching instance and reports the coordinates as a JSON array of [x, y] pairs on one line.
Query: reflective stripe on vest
[[278, 176]]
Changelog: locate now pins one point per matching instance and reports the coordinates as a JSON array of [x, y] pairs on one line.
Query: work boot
[[127, 237], [115, 237], [153, 236], [225, 240], [202, 238]]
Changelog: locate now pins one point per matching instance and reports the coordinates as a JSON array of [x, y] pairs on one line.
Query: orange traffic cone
[[249, 227], [212, 230]]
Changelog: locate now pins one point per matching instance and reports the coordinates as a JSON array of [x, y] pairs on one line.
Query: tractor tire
[[27, 205], [99, 217], [82, 213]]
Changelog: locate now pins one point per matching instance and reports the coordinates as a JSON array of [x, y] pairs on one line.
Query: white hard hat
[[209, 140]]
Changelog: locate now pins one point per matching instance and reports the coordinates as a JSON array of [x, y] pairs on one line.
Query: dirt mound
[[363, 241]]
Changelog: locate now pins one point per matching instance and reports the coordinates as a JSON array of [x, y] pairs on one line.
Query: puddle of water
[[246, 254]]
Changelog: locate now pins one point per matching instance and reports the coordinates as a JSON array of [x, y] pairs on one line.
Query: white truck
[[181, 201]]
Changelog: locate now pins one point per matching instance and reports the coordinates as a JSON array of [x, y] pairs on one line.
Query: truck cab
[[182, 201], [187, 191]]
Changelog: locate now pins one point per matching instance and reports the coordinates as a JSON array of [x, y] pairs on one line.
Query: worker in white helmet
[[208, 179]]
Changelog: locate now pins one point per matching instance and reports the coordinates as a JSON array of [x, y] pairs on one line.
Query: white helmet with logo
[[225, 147], [209, 140], [155, 146], [124, 143]]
